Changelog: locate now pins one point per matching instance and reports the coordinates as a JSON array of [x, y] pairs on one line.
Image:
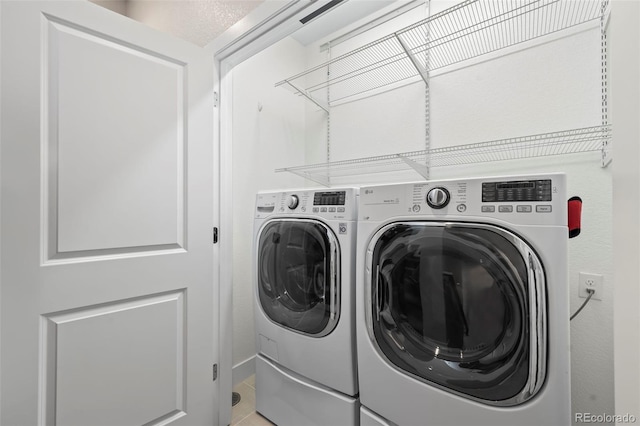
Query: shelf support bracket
[[605, 10], [422, 169], [423, 73], [306, 94], [316, 178]]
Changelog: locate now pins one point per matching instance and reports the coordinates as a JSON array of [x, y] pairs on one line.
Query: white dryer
[[304, 259], [462, 311]]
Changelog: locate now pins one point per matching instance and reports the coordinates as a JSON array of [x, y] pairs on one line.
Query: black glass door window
[[451, 305], [297, 279]]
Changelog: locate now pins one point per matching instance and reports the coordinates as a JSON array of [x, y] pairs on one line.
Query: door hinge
[[215, 372], [215, 234]]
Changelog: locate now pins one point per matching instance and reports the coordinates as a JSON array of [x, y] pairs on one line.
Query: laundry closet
[[339, 106], [110, 240]]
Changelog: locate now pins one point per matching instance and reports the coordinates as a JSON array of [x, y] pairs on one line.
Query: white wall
[[624, 41], [268, 133], [389, 122], [368, 127]]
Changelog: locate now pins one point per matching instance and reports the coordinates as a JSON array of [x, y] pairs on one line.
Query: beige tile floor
[[244, 412]]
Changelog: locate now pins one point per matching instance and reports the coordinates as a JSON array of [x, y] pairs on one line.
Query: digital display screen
[[335, 198], [514, 191]]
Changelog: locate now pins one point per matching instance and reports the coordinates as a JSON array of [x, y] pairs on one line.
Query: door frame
[[264, 26]]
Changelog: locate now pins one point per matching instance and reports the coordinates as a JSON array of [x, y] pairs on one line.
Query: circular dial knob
[[438, 197], [293, 202]]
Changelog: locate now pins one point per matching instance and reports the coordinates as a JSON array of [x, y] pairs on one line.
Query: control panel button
[[316, 209], [543, 209], [341, 209], [462, 208], [438, 197], [293, 202], [505, 209], [488, 209], [332, 209], [523, 209]]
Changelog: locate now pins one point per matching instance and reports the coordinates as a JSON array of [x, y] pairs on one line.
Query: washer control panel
[[531, 200], [516, 191]]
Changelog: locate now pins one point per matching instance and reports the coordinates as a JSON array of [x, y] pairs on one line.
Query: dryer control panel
[[331, 198], [329, 204]]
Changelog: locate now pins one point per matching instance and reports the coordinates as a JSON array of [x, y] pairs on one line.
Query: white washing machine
[[304, 259], [462, 311]]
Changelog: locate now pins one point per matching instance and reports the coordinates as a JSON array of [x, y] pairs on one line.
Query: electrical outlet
[[590, 281]]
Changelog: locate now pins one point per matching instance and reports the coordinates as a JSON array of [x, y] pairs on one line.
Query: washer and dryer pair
[[449, 307]]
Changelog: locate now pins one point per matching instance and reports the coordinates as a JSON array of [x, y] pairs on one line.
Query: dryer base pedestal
[[288, 399]]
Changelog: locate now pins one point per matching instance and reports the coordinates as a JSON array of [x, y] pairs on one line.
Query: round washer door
[[461, 307], [298, 280]]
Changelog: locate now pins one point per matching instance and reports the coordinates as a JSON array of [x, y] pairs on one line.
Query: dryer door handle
[[376, 302], [334, 274], [378, 289]]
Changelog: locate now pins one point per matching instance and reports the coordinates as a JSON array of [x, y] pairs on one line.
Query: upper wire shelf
[[465, 31], [586, 139]]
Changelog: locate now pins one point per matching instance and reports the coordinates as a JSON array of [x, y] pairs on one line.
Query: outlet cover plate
[[594, 281]]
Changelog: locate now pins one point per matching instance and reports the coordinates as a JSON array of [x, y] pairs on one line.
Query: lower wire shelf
[[586, 139]]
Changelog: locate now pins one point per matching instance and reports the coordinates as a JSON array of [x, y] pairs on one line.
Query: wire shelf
[[586, 139], [465, 31]]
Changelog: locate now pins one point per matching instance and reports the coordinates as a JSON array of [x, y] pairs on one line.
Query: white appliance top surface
[[327, 203], [525, 200]]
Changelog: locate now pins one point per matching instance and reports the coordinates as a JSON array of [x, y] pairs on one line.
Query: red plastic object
[[575, 216]]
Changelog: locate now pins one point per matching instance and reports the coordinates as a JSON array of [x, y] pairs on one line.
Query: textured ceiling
[[199, 21]]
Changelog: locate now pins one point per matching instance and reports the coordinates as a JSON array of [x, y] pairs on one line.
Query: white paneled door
[[107, 212]]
